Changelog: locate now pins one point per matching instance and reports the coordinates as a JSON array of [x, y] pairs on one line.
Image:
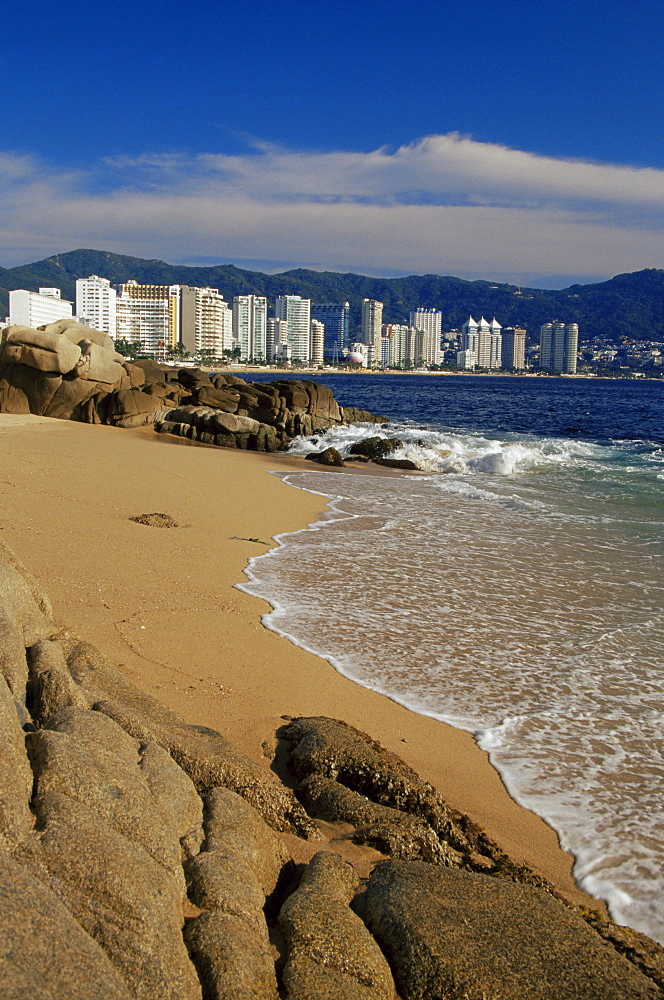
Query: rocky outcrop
[[141, 857], [450, 933], [330, 955], [72, 372]]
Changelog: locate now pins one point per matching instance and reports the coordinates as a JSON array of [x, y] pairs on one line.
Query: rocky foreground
[[142, 857], [72, 372]]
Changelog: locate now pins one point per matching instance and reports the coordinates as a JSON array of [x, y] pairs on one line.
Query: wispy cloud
[[446, 204]]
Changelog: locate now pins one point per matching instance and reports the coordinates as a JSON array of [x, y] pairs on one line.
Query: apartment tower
[[558, 346], [96, 302], [296, 311], [372, 324], [250, 326]]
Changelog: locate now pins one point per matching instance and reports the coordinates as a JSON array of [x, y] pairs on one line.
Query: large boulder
[[451, 933], [228, 881], [45, 954], [130, 904], [78, 332], [47, 352], [330, 955], [88, 758], [15, 773], [207, 757], [333, 749], [390, 831]]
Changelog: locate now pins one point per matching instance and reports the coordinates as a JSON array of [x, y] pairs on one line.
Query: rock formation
[[70, 371], [144, 858]]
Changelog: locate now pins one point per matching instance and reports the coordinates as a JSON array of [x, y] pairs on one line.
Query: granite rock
[[330, 955], [45, 954], [451, 933]]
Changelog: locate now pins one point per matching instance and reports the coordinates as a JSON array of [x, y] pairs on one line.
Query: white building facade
[[296, 311], [206, 322], [481, 344], [36, 309], [430, 322], [277, 338], [559, 343], [250, 327], [372, 324], [96, 303], [316, 342]]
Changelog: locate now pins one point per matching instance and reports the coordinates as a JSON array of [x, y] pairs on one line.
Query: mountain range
[[628, 305]]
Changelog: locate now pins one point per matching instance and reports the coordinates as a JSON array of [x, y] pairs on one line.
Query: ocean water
[[512, 588]]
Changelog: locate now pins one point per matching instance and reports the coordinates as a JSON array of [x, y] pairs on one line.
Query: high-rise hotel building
[[149, 315], [558, 346], [296, 311], [514, 347], [96, 302], [372, 325], [430, 322], [250, 326], [335, 316], [206, 321]]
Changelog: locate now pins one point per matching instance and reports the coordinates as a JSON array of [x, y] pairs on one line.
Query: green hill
[[629, 305]]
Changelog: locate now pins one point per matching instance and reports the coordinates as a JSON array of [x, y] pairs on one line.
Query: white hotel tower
[[297, 313], [96, 304]]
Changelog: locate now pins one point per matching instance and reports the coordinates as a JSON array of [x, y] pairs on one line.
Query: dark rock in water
[[397, 463], [450, 933], [328, 457], [351, 415], [357, 458], [376, 447], [330, 954]]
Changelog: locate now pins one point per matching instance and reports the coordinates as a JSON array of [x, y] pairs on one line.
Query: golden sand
[[161, 602]]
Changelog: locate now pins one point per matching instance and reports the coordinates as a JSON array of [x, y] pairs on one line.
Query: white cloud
[[446, 204]]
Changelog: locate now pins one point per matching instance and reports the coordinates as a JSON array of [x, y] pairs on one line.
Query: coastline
[[162, 603]]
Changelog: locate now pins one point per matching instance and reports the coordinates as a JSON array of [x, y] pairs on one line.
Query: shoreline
[[162, 603]]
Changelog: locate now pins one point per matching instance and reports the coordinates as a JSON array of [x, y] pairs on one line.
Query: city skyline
[[201, 144]]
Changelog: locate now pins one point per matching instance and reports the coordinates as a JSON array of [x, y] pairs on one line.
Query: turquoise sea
[[513, 588]]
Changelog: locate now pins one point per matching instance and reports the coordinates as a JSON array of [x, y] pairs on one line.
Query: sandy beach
[[161, 602]]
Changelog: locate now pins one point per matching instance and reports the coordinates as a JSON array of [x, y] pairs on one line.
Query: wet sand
[[161, 603]]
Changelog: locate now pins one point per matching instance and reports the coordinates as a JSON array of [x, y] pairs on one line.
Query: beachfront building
[[96, 301], [482, 340], [36, 309], [513, 348], [296, 311], [277, 338], [250, 326], [149, 316], [405, 347], [316, 342], [558, 347], [206, 322], [336, 318], [372, 323], [430, 322]]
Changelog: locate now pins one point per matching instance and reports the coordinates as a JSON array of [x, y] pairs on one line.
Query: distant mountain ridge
[[630, 305]]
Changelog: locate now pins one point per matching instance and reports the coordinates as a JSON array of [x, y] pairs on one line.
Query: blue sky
[[517, 141]]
